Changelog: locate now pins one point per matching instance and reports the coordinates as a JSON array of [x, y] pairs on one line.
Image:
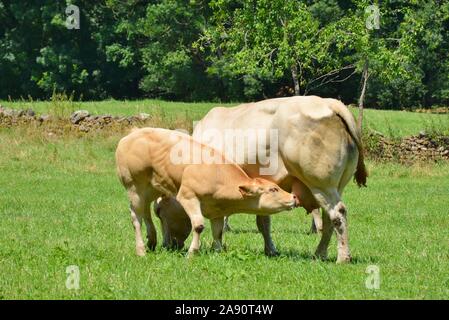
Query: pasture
[[388, 122], [61, 204]]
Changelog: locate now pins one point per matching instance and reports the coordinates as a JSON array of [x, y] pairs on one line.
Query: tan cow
[[158, 162], [316, 153]]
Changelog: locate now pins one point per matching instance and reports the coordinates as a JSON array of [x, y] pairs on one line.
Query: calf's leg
[[137, 208], [192, 207], [151, 230]]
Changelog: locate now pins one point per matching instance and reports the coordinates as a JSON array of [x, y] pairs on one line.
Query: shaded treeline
[[228, 50]]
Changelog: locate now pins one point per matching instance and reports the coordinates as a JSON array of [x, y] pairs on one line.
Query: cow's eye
[[274, 189]]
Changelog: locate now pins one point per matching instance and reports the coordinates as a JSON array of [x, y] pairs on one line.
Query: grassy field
[[390, 123], [61, 204]]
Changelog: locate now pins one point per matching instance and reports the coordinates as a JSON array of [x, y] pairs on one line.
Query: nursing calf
[[315, 151], [154, 163]]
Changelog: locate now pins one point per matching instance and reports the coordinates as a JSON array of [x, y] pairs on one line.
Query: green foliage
[[227, 50]]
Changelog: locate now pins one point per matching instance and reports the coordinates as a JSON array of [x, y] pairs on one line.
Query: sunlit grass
[[390, 123], [61, 204]]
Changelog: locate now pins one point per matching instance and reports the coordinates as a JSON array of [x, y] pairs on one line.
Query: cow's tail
[[348, 119]]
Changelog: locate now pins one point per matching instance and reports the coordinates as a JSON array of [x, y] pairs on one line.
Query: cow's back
[[294, 118], [221, 122]]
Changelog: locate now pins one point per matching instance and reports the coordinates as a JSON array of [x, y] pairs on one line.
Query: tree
[[228, 50], [267, 40]]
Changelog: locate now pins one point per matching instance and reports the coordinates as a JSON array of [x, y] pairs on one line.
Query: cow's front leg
[[264, 226], [326, 234], [217, 233]]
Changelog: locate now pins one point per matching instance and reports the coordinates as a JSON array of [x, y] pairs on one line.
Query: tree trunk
[[294, 70], [362, 94]]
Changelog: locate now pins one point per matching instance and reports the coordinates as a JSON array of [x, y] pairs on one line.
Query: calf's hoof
[[344, 259], [192, 253], [140, 251]]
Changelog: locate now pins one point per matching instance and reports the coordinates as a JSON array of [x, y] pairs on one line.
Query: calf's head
[[265, 197]]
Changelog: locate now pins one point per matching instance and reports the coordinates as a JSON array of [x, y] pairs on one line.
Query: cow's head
[[175, 223], [265, 197]]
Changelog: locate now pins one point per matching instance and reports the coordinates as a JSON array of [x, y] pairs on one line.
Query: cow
[[317, 151], [153, 162]]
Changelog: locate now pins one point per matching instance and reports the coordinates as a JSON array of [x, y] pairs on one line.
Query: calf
[[157, 162]]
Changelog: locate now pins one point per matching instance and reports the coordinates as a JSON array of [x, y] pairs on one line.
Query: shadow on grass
[[284, 230], [242, 231], [296, 255], [289, 254]]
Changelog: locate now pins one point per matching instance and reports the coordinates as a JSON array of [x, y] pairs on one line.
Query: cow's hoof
[[151, 245], [320, 255], [217, 247], [271, 252]]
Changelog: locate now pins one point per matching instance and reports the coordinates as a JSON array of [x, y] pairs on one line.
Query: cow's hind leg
[[264, 226], [334, 217]]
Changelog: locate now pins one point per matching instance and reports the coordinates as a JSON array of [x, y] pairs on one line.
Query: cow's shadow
[[290, 254], [254, 230], [297, 255], [241, 231]]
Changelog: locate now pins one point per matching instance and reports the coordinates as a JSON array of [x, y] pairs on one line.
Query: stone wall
[[422, 147]]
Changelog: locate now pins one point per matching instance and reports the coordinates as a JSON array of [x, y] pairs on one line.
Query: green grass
[[404, 123], [390, 123], [122, 108], [61, 204]]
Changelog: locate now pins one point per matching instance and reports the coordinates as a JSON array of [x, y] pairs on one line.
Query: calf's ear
[[247, 190]]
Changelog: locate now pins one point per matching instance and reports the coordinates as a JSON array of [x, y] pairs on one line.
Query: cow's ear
[[246, 190]]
